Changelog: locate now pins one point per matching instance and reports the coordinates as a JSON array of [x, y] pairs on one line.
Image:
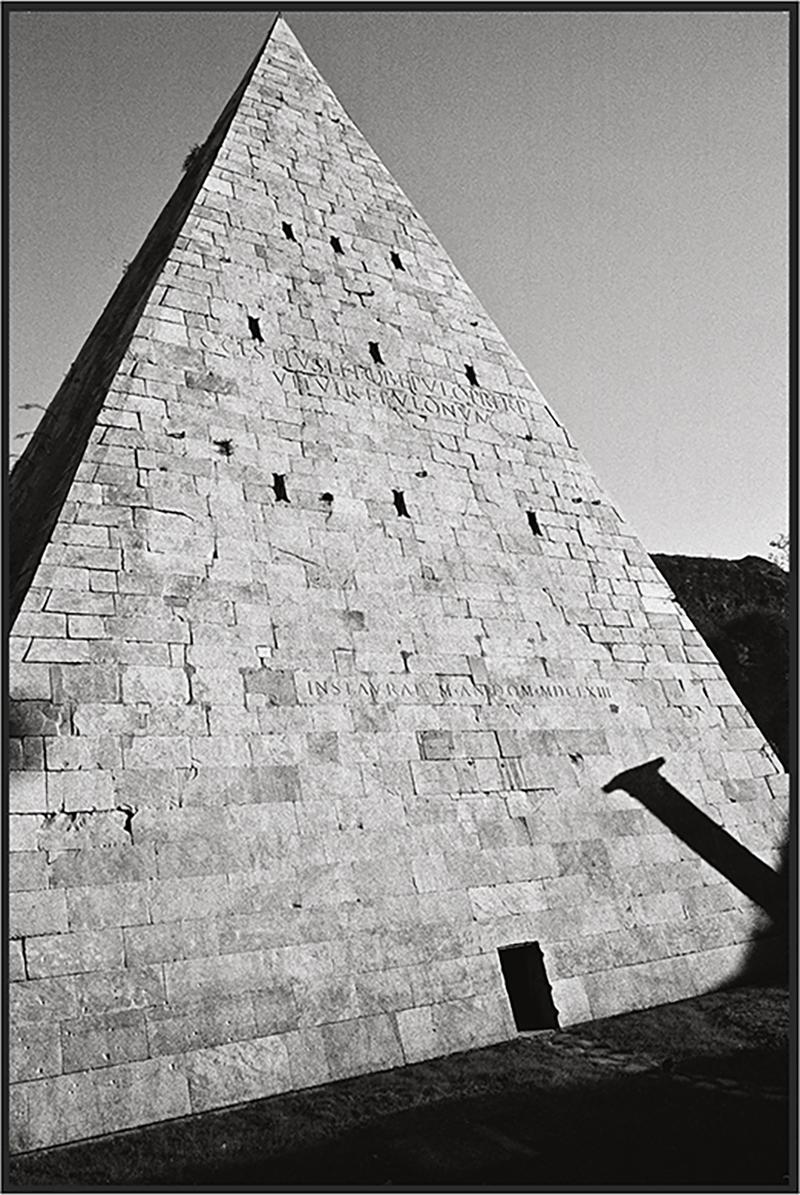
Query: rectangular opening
[[528, 987], [400, 503], [533, 523], [279, 486]]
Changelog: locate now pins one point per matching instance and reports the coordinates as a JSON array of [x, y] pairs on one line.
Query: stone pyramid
[[351, 724]]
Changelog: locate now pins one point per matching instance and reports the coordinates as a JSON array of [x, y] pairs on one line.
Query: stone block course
[[366, 1043], [105, 1040], [84, 830], [23, 832], [70, 792], [172, 1030], [115, 991], [16, 960], [34, 1052], [236, 1071], [74, 953], [58, 1109], [106, 906], [37, 912], [43, 1000], [101, 866], [29, 682], [27, 793]]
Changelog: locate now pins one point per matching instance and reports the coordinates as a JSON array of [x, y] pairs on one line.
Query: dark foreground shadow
[[620, 1131]]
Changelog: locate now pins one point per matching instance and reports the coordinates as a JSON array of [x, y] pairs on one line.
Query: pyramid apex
[[282, 27]]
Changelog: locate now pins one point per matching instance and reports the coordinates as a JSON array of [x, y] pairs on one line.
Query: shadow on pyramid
[[328, 653]]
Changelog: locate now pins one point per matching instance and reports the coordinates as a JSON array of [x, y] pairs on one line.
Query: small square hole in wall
[[400, 503], [255, 328], [375, 352], [288, 231], [528, 987], [279, 486], [396, 261], [336, 245], [472, 377], [533, 523]]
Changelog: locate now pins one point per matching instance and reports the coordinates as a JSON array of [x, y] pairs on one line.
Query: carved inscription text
[[437, 690], [406, 393]]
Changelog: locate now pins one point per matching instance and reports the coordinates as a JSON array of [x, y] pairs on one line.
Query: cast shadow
[[621, 1131], [768, 957]]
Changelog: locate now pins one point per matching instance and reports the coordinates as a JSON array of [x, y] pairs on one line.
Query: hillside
[[741, 608]]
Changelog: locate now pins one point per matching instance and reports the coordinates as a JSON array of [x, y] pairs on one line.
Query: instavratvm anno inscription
[[439, 690]]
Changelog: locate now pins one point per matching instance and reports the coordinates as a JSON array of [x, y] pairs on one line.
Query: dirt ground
[[690, 1094]]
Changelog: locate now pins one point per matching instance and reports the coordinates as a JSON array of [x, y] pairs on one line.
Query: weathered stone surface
[[37, 912], [104, 1040], [107, 905], [326, 670], [84, 830], [276, 1009], [154, 685], [115, 991], [169, 941], [239, 1071], [368, 1043], [417, 1034], [47, 1000], [178, 1030], [101, 866], [80, 791], [34, 1051], [88, 1103], [275, 685], [308, 1063], [74, 953], [27, 792], [16, 960]]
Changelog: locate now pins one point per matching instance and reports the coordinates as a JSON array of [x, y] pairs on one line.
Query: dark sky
[[612, 185]]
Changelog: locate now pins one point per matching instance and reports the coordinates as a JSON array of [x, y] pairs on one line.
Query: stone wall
[[317, 686]]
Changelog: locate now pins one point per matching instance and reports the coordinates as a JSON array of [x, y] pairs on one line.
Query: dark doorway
[[400, 504], [528, 986]]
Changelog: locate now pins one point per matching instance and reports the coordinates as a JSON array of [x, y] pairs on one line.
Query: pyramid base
[[67, 1108]]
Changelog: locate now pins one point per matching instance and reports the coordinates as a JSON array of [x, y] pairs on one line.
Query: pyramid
[[352, 725]]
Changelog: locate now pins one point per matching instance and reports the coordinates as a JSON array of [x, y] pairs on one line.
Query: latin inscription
[[437, 690], [405, 393]]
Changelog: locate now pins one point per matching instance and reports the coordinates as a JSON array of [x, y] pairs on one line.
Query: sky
[[612, 185]]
